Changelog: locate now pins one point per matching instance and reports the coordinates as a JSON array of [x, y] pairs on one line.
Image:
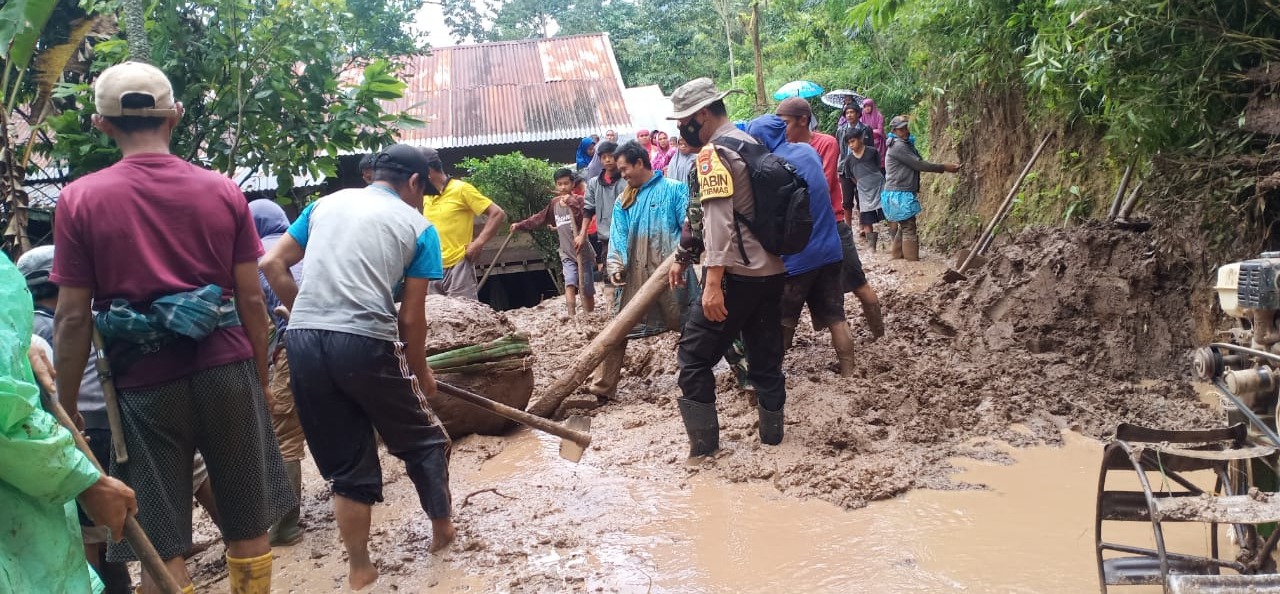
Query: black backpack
[[783, 221]]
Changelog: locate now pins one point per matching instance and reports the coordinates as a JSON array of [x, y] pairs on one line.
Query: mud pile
[[1096, 294], [1075, 329], [454, 323]]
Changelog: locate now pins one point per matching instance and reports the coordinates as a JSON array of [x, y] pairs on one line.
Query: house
[[537, 96]]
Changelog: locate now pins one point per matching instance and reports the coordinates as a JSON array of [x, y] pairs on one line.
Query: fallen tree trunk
[[613, 335]]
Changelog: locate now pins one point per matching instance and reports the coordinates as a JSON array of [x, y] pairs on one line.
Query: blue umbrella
[[798, 88]]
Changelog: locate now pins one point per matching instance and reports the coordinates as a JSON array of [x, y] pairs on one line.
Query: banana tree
[[21, 22]]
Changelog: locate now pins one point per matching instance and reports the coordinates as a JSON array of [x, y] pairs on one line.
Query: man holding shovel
[[358, 364], [564, 214], [644, 230], [152, 250]]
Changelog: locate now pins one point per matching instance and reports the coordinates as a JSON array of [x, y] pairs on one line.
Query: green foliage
[[271, 89], [522, 186], [1167, 74], [21, 22], [1161, 76]]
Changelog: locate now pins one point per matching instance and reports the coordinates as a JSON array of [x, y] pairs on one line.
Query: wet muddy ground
[[948, 463]]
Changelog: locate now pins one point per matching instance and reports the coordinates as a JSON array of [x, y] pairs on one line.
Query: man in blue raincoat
[[645, 230], [41, 471]]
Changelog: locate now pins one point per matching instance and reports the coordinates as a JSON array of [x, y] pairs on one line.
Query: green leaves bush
[[522, 186]]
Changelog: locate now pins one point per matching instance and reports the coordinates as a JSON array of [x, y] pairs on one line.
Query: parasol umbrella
[[836, 98], [798, 88]]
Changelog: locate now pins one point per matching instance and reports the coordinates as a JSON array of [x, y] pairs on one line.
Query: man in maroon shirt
[[155, 226], [797, 113]]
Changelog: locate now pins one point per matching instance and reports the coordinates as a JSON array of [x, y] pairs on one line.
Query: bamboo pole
[[613, 336], [983, 240]]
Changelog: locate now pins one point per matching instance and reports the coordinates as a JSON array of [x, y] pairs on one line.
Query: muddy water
[[1030, 532]]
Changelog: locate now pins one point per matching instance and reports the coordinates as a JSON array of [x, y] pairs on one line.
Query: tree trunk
[[724, 8], [135, 27], [761, 101], [12, 176], [613, 335]]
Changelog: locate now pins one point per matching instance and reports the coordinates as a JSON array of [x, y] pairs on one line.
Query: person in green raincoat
[[41, 471]]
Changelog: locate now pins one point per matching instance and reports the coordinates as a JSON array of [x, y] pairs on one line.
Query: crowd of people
[[237, 340]]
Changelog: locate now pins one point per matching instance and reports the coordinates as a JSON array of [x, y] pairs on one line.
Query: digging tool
[[613, 335], [1124, 185], [138, 541], [574, 434], [578, 254], [492, 263], [984, 241], [103, 367]]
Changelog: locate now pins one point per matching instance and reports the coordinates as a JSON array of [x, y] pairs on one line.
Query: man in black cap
[[358, 364], [743, 281], [366, 169]]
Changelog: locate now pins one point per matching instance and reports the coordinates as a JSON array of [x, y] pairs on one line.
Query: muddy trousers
[[752, 303], [348, 385], [906, 242], [604, 379]]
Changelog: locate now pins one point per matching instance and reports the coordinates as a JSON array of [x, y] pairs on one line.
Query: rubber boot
[[702, 425], [770, 426], [187, 589], [895, 246], [788, 337], [250, 576], [874, 320], [842, 341], [286, 532], [873, 241], [911, 250]]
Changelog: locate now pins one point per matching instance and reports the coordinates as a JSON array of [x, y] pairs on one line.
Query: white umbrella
[[836, 98]]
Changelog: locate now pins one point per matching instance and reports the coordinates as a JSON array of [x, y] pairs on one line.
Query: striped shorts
[[345, 386]]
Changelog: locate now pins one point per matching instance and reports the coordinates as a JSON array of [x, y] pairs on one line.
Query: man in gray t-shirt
[[359, 364]]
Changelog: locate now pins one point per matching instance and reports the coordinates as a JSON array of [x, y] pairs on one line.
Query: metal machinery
[[1222, 477]]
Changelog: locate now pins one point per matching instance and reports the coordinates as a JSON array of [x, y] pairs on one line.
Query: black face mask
[[690, 132]]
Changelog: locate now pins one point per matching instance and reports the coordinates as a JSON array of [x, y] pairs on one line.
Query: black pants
[[345, 386], [854, 276], [850, 191], [753, 304]]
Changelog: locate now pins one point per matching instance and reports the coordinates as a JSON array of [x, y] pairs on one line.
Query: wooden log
[[613, 336]]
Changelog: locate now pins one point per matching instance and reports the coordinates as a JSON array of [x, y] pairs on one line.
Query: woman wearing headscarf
[[586, 151], [271, 223], [872, 118], [662, 156]]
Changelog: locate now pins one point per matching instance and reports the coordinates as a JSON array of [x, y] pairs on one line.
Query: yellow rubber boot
[[250, 576], [188, 589]]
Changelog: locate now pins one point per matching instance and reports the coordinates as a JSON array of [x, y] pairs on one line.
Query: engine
[[1247, 363]]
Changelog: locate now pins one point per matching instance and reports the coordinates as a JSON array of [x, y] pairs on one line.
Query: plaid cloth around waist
[[193, 314]]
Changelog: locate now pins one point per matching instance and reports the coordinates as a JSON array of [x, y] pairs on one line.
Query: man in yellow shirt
[[452, 206]]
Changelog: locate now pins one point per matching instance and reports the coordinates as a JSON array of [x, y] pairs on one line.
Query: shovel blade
[[952, 276], [571, 450]]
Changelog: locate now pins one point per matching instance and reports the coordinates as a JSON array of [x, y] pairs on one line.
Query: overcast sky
[[430, 23]]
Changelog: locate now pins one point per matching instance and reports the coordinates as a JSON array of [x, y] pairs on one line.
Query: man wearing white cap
[[743, 281], [171, 249]]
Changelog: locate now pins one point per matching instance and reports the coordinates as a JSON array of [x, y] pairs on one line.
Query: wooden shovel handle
[[515, 414]]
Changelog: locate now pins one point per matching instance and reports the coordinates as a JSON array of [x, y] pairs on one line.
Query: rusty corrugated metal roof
[[516, 91]]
